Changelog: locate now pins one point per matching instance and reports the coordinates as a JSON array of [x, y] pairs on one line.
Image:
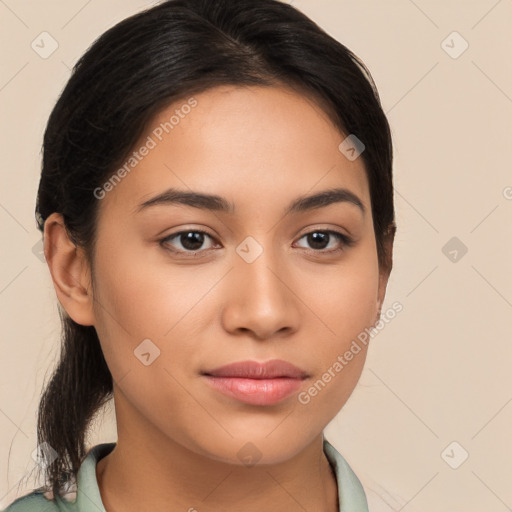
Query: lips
[[256, 383], [276, 368]]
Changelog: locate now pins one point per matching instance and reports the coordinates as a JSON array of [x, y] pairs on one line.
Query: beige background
[[440, 371]]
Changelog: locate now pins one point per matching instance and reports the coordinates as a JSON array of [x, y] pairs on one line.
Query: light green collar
[[350, 491]]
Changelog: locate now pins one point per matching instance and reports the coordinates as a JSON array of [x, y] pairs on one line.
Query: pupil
[[315, 237], [192, 238]]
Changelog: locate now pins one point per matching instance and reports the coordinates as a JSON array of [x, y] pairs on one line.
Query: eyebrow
[[217, 203]]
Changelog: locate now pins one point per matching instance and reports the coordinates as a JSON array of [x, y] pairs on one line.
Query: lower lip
[[255, 391]]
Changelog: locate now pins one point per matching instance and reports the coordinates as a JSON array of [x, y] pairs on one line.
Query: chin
[[255, 447]]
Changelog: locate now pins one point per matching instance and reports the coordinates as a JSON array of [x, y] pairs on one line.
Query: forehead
[[249, 144]]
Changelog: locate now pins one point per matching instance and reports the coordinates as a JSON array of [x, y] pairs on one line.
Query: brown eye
[[188, 241], [319, 240]]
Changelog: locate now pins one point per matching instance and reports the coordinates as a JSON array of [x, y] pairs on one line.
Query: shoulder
[[33, 502], [40, 501], [380, 499], [70, 500]]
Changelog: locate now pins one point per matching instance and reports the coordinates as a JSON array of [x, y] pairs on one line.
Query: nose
[[260, 298]]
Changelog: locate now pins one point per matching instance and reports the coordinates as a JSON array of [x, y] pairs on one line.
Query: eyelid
[[325, 229]]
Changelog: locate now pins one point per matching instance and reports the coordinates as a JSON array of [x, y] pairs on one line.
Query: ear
[[385, 270], [69, 270]]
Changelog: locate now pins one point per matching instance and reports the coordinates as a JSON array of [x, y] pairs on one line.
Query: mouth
[[256, 383]]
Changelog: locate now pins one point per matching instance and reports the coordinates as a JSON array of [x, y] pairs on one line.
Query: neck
[[162, 474]]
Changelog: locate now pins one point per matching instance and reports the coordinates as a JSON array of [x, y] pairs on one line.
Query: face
[[183, 287]]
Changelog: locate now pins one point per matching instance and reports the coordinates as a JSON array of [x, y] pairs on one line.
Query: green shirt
[[88, 499]]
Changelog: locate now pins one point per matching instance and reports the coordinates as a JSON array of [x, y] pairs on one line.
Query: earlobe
[[70, 271]]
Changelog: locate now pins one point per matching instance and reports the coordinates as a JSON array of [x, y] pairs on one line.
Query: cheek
[[345, 297], [137, 301], [127, 302], [345, 304], [140, 296]]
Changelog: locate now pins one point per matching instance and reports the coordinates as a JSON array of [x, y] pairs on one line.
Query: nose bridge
[[257, 266], [260, 299]]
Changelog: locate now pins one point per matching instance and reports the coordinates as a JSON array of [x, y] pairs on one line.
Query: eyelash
[[346, 242]]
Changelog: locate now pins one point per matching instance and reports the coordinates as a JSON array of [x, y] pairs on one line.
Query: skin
[[260, 148]]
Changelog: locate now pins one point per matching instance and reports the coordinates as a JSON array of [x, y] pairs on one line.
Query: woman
[[216, 205]]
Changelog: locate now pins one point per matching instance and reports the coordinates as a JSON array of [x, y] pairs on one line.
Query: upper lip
[[254, 370]]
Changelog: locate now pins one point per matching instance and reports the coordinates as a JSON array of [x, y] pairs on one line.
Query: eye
[[190, 241], [320, 239]]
